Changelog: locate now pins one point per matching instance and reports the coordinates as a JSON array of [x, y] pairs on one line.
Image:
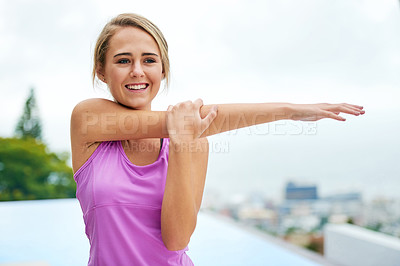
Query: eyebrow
[[130, 54]]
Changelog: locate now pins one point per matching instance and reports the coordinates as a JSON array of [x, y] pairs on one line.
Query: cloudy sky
[[221, 51]]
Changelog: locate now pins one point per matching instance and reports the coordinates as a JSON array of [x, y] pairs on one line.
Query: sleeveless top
[[121, 204]]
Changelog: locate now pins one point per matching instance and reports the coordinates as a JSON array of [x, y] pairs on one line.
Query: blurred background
[[270, 176]]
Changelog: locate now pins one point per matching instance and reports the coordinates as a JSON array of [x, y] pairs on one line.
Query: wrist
[[282, 111], [290, 110]]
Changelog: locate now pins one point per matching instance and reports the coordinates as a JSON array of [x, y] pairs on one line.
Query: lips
[[137, 86]]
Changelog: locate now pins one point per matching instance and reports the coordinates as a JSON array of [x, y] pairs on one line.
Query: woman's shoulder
[[91, 103], [94, 101], [89, 107], [82, 115]]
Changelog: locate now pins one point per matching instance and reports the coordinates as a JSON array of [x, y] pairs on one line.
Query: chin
[[138, 106]]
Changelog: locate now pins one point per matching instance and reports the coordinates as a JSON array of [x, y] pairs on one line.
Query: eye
[[149, 60], [123, 61]]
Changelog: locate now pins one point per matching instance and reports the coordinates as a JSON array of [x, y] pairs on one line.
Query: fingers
[[332, 115], [198, 103], [189, 105], [356, 106], [345, 108], [186, 121], [206, 121], [348, 110], [354, 109], [334, 110]]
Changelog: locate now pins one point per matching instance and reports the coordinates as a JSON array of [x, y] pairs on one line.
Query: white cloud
[[379, 11]]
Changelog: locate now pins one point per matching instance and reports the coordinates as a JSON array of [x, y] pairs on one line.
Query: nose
[[137, 70]]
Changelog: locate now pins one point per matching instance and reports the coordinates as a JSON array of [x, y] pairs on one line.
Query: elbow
[[177, 239], [176, 233], [176, 244]]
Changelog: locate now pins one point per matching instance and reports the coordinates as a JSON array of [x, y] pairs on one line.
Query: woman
[[140, 174]]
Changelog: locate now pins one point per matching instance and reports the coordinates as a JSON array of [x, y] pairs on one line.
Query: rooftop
[[51, 232]]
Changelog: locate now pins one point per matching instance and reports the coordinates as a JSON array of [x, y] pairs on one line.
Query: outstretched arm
[[234, 116], [98, 120]]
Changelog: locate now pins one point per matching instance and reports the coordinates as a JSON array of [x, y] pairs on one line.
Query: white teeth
[[136, 87]]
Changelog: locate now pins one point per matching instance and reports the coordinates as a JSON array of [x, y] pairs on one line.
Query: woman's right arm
[[96, 120]]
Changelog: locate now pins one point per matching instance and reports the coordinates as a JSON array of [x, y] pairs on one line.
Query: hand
[[314, 112], [184, 123]]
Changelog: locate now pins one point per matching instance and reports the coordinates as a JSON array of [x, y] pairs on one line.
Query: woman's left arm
[[235, 116], [187, 166]]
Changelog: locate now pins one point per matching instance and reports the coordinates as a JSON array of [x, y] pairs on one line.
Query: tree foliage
[[29, 171], [29, 125]]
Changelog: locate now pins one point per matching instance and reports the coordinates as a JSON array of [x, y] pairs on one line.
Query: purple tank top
[[121, 204]]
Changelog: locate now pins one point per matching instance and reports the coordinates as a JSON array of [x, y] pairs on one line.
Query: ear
[[100, 74]]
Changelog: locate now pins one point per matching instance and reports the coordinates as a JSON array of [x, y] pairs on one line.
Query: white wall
[[352, 245]]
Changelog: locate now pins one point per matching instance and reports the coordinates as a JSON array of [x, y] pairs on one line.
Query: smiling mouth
[[137, 87]]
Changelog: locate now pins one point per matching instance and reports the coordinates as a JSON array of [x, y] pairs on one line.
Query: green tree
[[29, 171], [29, 125]]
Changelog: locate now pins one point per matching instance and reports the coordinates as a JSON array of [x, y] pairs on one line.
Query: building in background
[[296, 191]]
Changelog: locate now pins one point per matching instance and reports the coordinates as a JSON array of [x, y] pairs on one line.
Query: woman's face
[[133, 69]]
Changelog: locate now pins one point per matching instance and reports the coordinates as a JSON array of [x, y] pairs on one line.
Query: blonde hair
[[129, 20]]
